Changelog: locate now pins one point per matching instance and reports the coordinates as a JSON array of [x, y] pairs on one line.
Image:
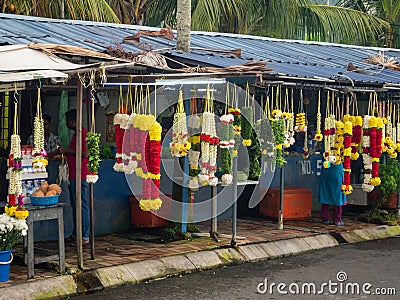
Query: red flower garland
[[348, 133]]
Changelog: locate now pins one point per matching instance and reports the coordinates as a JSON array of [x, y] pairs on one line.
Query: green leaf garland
[[93, 146]]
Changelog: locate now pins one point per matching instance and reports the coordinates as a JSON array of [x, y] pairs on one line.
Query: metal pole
[[282, 191], [78, 156], [234, 205], [91, 203], [214, 220], [398, 194]]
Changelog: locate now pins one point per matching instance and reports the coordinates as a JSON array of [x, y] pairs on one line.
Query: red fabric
[[71, 159]]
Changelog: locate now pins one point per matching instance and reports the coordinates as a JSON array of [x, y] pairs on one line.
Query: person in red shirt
[[69, 153]]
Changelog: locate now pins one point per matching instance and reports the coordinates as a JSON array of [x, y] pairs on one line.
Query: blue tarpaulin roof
[[287, 57]]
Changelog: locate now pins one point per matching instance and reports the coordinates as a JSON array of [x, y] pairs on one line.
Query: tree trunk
[[183, 20]]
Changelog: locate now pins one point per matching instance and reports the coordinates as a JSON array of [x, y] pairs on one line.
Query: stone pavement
[[135, 256]]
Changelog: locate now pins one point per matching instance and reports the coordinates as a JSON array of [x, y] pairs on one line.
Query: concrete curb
[[67, 285]]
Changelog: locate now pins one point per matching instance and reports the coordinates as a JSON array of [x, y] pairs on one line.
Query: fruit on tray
[[47, 190]]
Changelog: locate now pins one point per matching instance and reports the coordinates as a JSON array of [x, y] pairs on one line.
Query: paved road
[[374, 266]]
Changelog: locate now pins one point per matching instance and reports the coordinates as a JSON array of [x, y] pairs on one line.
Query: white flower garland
[[180, 144], [367, 160], [15, 182]]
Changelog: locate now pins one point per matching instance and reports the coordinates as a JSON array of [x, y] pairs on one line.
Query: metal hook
[[15, 97]]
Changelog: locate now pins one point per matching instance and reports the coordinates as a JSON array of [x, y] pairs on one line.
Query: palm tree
[[183, 18], [291, 19], [96, 10], [388, 10]]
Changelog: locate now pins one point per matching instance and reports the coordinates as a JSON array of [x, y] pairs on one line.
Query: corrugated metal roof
[[291, 58]]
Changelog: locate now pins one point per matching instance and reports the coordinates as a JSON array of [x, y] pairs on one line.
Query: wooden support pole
[[78, 155]]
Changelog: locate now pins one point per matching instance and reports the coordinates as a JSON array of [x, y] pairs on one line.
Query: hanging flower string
[[357, 122], [388, 145], [375, 124], [209, 143], [318, 135], [15, 206], [367, 160], [194, 139], [226, 143], [329, 132], [180, 145], [247, 119], [39, 153], [266, 140], [348, 133], [93, 148], [120, 124], [150, 152]]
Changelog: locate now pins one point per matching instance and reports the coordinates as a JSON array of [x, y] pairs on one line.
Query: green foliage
[[247, 122], [106, 152], [254, 157], [390, 183], [390, 179], [93, 142]]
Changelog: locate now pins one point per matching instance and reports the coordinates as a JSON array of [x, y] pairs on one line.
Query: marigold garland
[[375, 125], [318, 135], [151, 168], [347, 132]]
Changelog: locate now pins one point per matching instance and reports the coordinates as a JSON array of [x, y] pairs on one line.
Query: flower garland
[[329, 134], [209, 143], [237, 128], [375, 124], [93, 147], [194, 139], [348, 133], [367, 160], [357, 122], [15, 206], [226, 145], [339, 142], [150, 167], [121, 120], [180, 144], [39, 153], [318, 135], [388, 145], [266, 140], [278, 128], [289, 122]]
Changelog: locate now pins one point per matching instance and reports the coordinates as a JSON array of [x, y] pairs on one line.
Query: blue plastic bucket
[[6, 258]]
